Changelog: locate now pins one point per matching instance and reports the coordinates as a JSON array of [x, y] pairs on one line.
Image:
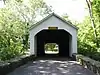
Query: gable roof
[[46, 18]]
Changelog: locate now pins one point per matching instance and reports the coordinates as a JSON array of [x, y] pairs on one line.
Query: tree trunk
[[92, 21]]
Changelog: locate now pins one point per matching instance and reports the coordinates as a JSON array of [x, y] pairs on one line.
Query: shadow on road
[[54, 66]]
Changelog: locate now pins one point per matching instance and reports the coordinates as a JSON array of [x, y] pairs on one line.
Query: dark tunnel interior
[[61, 37]]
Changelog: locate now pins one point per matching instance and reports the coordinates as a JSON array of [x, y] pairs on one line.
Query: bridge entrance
[[59, 37], [53, 30]]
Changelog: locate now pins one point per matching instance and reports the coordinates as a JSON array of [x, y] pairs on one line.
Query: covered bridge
[[53, 29]]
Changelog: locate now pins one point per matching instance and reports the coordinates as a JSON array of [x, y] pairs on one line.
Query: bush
[[88, 50]]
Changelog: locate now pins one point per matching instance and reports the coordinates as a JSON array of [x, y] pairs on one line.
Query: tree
[[28, 10], [89, 4], [11, 30], [87, 45], [15, 21]]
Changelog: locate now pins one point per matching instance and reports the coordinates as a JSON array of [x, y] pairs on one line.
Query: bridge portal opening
[[51, 48], [59, 39]]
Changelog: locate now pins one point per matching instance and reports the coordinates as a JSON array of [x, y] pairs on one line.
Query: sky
[[1, 3], [75, 9]]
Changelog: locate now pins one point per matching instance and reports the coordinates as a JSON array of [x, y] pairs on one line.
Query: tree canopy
[[89, 31], [15, 20]]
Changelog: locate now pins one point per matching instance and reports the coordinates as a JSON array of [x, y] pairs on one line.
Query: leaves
[[15, 20], [86, 41]]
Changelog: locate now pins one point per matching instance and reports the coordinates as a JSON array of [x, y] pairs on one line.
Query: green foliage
[[15, 21], [10, 35], [51, 47], [86, 41], [86, 49]]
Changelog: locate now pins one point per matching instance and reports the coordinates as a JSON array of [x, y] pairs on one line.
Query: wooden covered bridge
[[53, 29]]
